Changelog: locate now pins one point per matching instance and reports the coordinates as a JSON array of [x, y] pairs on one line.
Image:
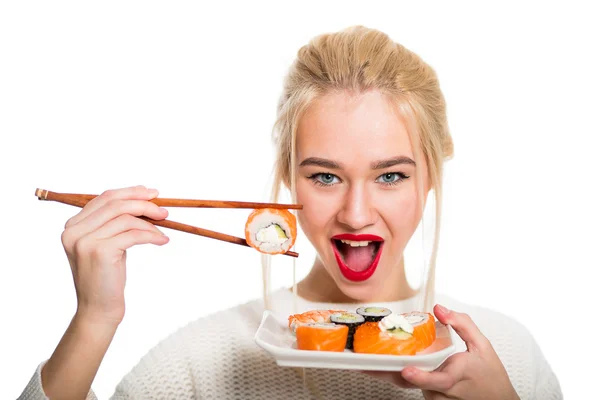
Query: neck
[[319, 286]]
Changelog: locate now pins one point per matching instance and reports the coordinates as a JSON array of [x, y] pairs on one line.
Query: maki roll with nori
[[352, 321], [373, 314]]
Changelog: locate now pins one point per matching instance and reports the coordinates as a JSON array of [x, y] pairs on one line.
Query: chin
[[364, 291]]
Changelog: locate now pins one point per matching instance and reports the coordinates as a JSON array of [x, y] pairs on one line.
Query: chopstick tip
[[41, 194]]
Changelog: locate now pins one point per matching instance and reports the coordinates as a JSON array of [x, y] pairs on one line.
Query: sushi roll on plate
[[399, 334], [271, 231], [321, 336], [313, 316], [351, 320], [423, 328], [373, 314], [373, 338]]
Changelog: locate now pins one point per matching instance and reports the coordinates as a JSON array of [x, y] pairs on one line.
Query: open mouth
[[357, 255]]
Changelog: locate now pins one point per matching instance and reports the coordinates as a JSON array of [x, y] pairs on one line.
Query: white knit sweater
[[216, 358]]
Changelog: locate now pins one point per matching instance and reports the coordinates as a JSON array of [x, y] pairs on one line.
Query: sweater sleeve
[[165, 372], [35, 391], [162, 373]]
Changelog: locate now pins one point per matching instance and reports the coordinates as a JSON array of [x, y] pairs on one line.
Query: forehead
[[352, 127]]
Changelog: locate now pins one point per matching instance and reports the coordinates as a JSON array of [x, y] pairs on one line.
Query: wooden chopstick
[[81, 200], [165, 202]]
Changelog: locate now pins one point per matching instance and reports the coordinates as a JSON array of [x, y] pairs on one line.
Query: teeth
[[355, 243]]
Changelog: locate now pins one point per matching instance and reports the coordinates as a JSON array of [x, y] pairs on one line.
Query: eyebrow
[[320, 162], [390, 162]]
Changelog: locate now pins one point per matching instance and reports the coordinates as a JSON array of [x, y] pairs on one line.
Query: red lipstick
[[358, 238], [357, 276]]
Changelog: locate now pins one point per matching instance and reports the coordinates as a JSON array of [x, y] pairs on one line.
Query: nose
[[357, 211]]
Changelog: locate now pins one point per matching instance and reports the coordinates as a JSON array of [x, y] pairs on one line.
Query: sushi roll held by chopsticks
[[271, 231]]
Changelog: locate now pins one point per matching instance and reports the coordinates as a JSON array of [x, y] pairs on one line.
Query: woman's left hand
[[476, 373]]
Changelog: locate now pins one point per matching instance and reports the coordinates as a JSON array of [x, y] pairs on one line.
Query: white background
[[181, 97]]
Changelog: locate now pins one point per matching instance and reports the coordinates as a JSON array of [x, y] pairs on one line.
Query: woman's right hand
[[96, 242]]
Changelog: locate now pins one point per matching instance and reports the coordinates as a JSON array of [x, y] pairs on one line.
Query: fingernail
[[443, 309]]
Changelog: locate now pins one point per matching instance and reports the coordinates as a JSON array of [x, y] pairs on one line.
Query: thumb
[[463, 325]]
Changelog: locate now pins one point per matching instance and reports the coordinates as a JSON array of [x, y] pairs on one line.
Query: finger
[[128, 239], [133, 193], [435, 380], [123, 223], [464, 327], [392, 377], [114, 209]]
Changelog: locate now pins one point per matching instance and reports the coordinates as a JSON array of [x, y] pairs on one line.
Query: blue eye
[[392, 178], [325, 179]]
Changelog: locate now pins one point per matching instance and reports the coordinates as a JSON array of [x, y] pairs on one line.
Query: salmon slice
[[321, 337], [424, 328], [369, 338]]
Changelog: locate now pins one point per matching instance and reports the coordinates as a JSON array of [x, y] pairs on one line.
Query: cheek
[[317, 209], [402, 214]]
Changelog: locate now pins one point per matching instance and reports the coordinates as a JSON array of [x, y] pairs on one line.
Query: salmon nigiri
[[309, 317], [371, 338], [423, 328], [321, 337]]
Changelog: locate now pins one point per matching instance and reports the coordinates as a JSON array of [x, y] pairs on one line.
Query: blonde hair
[[357, 60]]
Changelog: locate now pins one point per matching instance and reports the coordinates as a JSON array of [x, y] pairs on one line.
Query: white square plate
[[276, 338]]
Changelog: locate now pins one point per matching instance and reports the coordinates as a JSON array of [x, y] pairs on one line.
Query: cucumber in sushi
[[373, 314]]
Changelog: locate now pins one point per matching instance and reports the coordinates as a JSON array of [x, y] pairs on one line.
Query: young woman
[[361, 137]]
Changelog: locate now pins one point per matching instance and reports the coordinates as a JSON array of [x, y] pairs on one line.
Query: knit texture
[[215, 357]]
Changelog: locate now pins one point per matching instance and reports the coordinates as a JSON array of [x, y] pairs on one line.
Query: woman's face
[[356, 181]]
